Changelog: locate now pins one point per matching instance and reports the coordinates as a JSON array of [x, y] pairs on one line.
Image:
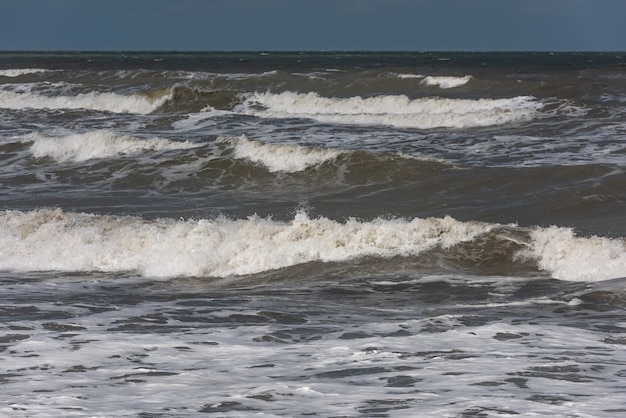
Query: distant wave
[[101, 101], [225, 247], [279, 157], [409, 76], [95, 144], [392, 110], [20, 71], [446, 82]]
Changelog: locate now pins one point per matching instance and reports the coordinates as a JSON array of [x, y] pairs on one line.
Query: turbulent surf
[[337, 234]]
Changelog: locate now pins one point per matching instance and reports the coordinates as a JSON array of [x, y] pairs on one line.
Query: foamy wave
[[20, 71], [446, 82], [57, 240], [96, 144], [396, 110], [108, 102], [568, 257], [279, 157], [409, 76], [51, 239]]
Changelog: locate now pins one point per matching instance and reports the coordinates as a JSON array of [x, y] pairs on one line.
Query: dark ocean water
[[325, 234]]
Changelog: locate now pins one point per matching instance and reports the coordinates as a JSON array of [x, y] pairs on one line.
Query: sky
[[304, 25]]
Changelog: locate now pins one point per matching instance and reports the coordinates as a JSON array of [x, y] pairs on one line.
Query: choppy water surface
[[326, 234]]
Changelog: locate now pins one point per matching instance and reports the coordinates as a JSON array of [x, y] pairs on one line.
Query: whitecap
[[101, 101], [16, 72], [279, 157], [96, 144], [409, 76], [569, 257], [446, 82], [392, 110], [49, 239]]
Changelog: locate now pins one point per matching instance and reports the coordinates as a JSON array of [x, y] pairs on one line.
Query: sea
[[326, 234]]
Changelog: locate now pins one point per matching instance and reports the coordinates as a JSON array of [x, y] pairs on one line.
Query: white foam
[[56, 240], [409, 76], [96, 144], [446, 82], [392, 110], [569, 257], [16, 72], [279, 157], [113, 362], [102, 101]]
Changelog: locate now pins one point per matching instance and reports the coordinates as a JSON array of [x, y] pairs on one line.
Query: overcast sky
[[416, 25]]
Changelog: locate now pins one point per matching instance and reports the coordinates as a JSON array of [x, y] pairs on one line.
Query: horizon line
[[300, 51]]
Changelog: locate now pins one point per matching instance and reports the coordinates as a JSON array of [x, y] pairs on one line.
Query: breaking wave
[[279, 157], [16, 72], [568, 257], [392, 110], [51, 239], [56, 240], [96, 144], [100, 101], [446, 82]]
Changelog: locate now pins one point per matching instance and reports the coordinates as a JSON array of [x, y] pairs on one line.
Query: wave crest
[[16, 72], [51, 239], [446, 82], [393, 110], [96, 144], [217, 248], [100, 101], [279, 157], [568, 257]]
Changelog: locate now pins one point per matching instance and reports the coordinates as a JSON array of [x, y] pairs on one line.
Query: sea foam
[[392, 110], [279, 157], [96, 144]]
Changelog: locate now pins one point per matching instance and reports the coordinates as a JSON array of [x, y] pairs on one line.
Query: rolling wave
[[96, 144], [107, 144], [279, 157], [99, 101], [51, 239], [446, 82], [56, 240], [17, 72], [392, 110]]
